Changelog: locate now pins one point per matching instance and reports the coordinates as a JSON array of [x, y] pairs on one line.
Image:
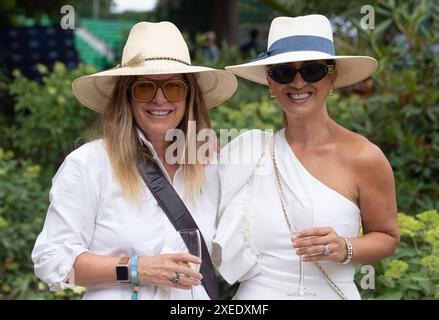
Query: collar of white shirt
[[144, 141]]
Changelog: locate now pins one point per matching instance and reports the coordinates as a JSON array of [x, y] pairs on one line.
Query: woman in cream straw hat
[[104, 228], [313, 176]]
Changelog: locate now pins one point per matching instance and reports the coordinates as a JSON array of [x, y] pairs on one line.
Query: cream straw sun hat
[[300, 39], [151, 49]]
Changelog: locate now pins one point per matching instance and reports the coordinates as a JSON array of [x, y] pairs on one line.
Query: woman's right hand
[[159, 270]]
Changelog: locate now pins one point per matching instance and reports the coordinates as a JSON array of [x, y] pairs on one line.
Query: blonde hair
[[117, 128]]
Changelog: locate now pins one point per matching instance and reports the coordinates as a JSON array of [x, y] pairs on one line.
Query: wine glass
[[301, 217], [190, 241]]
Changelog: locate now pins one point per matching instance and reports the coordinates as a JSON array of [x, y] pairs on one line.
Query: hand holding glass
[[190, 241], [301, 218]]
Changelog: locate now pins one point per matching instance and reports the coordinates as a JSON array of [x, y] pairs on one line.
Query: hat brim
[[95, 91], [350, 69]]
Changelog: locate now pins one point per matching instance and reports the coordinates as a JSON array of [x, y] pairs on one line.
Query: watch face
[[122, 273]]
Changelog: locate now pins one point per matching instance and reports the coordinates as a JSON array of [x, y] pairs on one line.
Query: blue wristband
[[134, 264], [134, 276]]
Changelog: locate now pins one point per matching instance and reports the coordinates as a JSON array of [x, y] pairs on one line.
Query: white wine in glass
[[301, 217], [195, 266], [192, 244]]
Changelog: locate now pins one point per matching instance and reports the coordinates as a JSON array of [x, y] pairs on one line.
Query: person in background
[[253, 44], [210, 49]]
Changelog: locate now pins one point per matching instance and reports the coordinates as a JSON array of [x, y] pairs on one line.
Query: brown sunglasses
[[173, 89]]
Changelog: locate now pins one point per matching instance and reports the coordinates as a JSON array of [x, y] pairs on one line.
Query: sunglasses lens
[[144, 90], [282, 73], [313, 72], [175, 90]]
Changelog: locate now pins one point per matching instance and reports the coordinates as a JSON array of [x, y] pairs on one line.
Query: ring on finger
[[326, 250], [175, 278]]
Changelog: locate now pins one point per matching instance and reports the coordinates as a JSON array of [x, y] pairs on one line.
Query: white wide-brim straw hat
[[153, 49], [305, 38]]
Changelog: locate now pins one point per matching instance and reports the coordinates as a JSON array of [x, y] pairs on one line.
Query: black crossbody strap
[[178, 214]]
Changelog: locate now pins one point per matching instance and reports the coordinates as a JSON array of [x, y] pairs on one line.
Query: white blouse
[[88, 212], [253, 242]]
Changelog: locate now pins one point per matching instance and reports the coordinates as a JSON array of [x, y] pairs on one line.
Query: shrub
[[48, 118], [400, 111], [413, 273], [23, 204]]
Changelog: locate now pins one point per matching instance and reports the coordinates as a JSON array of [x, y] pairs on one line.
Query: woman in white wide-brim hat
[[313, 176], [104, 229]]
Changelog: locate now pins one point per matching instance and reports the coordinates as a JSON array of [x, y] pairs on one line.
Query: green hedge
[[48, 119], [23, 205], [413, 272]]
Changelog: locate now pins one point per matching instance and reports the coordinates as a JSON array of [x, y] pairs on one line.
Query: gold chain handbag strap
[[290, 223]]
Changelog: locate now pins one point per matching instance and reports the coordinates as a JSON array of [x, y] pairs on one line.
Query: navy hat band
[[298, 43]]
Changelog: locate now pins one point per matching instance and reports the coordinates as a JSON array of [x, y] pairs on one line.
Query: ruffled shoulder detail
[[238, 161], [233, 249]]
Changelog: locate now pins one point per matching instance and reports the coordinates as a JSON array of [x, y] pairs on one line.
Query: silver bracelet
[[350, 251]]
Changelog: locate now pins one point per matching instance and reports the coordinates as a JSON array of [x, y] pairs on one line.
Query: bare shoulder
[[366, 158]]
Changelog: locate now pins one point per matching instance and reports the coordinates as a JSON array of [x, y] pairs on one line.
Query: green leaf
[[412, 287], [405, 252], [426, 286], [390, 283], [391, 294], [420, 278], [383, 26]]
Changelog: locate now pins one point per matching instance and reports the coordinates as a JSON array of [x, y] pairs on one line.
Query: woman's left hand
[[311, 244]]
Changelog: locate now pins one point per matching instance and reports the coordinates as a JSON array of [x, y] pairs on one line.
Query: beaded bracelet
[[134, 277], [350, 251]]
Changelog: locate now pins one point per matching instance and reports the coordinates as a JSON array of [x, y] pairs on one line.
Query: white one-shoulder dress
[[252, 244]]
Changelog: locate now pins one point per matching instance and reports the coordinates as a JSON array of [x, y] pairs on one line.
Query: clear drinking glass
[[190, 241], [301, 218]]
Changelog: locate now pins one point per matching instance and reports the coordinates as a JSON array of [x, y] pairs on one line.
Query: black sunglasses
[[310, 72]]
